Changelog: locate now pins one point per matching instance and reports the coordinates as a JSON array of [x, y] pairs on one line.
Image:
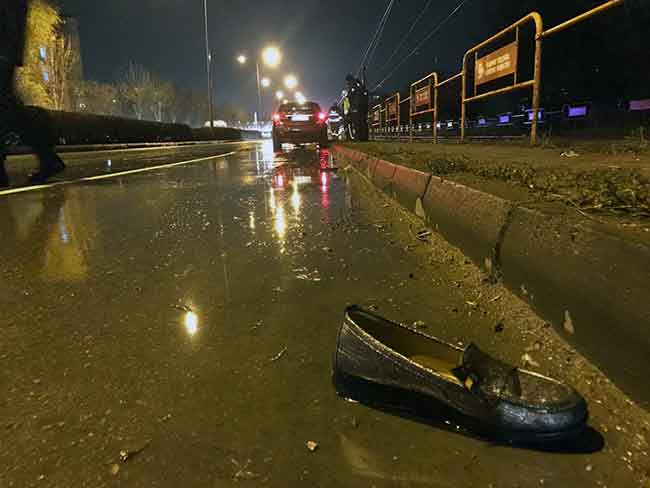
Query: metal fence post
[[433, 83], [398, 104], [536, 90], [411, 110], [463, 94]]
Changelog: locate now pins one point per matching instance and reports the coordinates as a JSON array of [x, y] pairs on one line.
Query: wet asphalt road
[[84, 164], [175, 328]]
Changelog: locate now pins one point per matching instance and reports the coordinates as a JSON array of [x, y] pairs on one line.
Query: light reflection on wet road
[[187, 317]]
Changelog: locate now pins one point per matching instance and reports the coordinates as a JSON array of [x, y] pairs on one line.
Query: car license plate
[[300, 118]]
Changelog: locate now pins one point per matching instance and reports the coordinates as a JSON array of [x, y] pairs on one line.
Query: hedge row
[[79, 129]]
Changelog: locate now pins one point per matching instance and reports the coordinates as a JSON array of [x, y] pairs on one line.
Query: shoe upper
[[519, 397], [538, 391]]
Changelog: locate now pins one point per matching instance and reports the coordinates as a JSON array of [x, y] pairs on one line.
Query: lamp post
[[271, 57], [259, 95], [208, 64]]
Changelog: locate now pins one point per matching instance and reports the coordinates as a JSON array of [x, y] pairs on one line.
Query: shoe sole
[[430, 411]]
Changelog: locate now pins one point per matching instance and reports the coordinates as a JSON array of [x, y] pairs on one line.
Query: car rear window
[[296, 108]]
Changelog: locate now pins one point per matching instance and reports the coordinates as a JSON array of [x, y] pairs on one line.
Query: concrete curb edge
[[592, 286]]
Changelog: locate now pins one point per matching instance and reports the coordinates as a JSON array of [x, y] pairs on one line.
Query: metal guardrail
[[375, 121], [424, 100], [424, 93], [535, 83], [392, 109]]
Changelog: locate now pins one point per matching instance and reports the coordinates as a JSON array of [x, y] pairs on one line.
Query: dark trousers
[[33, 125], [359, 121], [364, 131]]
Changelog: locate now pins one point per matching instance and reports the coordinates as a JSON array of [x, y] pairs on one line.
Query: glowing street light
[[291, 82], [272, 56], [279, 95], [300, 98]]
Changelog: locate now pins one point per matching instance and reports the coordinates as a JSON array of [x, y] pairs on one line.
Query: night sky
[[321, 40]]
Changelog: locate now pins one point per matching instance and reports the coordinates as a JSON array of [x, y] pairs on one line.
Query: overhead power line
[[422, 42], [373, 40], [381, 32], [406, 37]]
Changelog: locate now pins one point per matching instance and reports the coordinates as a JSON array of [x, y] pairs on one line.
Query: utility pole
[[260, 116], [209, 64]]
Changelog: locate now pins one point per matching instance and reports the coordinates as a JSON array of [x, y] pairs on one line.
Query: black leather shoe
[[53, 166], [525, 405]]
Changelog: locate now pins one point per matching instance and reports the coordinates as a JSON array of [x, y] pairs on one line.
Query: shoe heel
[[347, 387], [358, 390]]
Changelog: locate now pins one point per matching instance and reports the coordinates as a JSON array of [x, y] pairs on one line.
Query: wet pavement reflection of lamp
[[191, 323], [295, 197], [280, 222]]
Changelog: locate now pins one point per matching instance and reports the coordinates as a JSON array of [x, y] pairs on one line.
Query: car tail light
[[322, 117], [277, 118]]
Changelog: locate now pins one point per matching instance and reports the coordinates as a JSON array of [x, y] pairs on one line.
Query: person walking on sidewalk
[[32, 125]]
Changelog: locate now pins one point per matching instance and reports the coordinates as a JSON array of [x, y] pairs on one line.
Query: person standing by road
[[32, 125], [358, 98]]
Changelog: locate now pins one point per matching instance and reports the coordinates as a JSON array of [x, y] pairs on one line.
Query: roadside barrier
[[496, 65]]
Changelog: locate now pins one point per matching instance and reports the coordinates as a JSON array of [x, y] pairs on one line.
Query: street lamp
[[291, 82], [271, 57], [208, 63], [279, 95], [300, 98]]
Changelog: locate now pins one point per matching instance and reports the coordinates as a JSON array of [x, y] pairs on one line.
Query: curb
[[594, 287], [382, 175], [469, 219], [409, 188]]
